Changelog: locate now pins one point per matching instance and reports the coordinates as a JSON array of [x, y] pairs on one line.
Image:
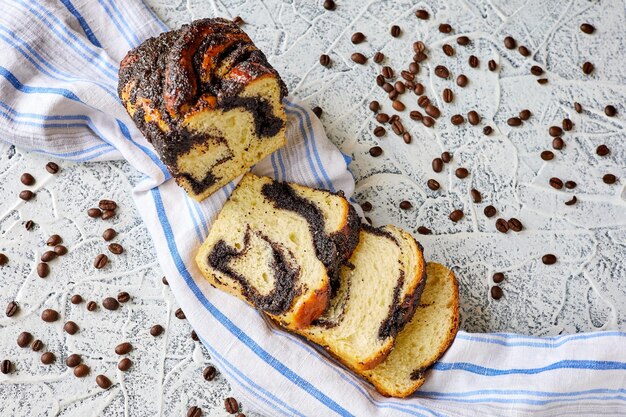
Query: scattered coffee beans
[[123, 348], [48, 358], [456, 215], [103, 382], [124, 365], [110, 303], [496, 292], [70, 327], [100, 261], [24, 339], [81, 370], [73, 360], [12, 309], [209, 373], [548, 259], [52, 168], [27, 179], [49, 315], [231, 405]]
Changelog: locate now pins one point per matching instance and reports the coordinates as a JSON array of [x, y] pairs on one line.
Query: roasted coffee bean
[[48, 256], [116, 248], [587, 68], [387, 72], [60, 250], [419, 46], [476, 197], [556, 183], [405, 205], [395, 31], [433, 184], [572, 201], [578, 107], [92, 306], [380, 80], [324, 60], [76, 299], [81, 370], [492, 65], [37, 345], [603, 150], [457, 119], [180, 314], [388, 88], [123, 297], [24, 339], [406, 137], [374, 106], [610, 110], [473, 61], [502, 226], [378, 57], [47, 358], [542, 81], [557, 143], [437, 165], [490, 211], [415, 115], [209, 373], [110, 303], [73, 360], [461, 172], [107, 205], [194, 412], [94, 213], [123, 348], [26, 195], [27, 179], [366, 206], [423, 101], [447, 95], [448, 49], [419, 89], [420, 57], [407, 75], [376, 151], [456, 215], [329, 4], [382, 117], [463, 40], [609, 179], [28, 225], [515, 225], [398, 105], [555, 131], [445, 28], [423, 230], [428, 121], [52, 168], [567, 125], [461, 80], [124, 365], [446, 157], [6, 366], [357, 37], [441, 71], [547, 155], [194, 336], [570, 185], [536, 70], [231, 405], [397, 127], [422, 14], [359, 58], [156, 330], [523, 51], [103, 382], [11, 309], [317, 111], [49, 315], [54, 240], [238, 20], [524, 114], [514, 121], [496, 292], [379, 131], [487, 130], [498, 277], [587, 28], [473, 118], [100, 261], [414, 68], [393, 95], [432, 111], [509, 42], [70, 327], [548, 259]]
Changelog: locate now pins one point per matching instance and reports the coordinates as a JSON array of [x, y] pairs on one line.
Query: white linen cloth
[[58, 81]]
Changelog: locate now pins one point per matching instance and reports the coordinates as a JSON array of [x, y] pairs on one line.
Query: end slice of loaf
[[377, 295], [275, 244], [424, 339]]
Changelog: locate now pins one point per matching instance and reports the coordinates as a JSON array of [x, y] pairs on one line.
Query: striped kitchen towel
[[58, 78]]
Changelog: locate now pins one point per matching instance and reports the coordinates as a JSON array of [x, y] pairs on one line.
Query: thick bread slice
[[377, 295], [424, 340], [275, 244]]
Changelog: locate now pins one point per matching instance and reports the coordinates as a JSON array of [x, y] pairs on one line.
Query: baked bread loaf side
[[424, 339], [377, 295], [276, 245], [208, 101]]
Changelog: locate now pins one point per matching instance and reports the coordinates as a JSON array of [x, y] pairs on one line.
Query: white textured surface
[[585, 290]]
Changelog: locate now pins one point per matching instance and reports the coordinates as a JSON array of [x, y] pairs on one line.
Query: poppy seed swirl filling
[[207, 99]]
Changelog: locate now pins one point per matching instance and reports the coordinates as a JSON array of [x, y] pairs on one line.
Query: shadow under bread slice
[[424, 339], [378, 292], [275, 245]]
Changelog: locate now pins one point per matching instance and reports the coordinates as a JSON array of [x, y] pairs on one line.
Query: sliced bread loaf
[[275, 245], [377, 294], [424, 339]]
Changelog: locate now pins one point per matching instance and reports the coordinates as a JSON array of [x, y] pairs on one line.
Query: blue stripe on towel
[[82, 22], [564, 364]]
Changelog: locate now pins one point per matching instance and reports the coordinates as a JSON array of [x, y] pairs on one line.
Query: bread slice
[[377, 295], [275, 245], [207, 99], [424, 339]]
